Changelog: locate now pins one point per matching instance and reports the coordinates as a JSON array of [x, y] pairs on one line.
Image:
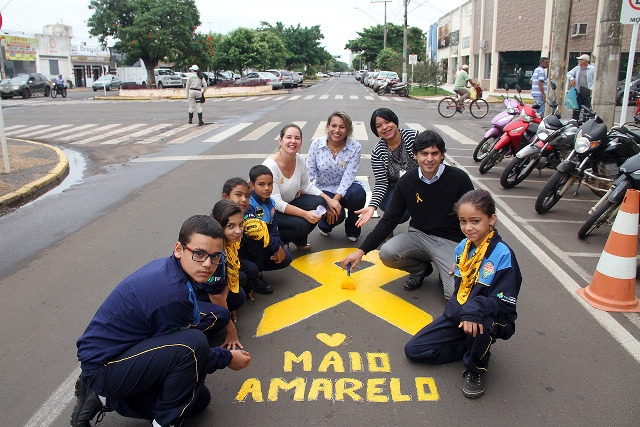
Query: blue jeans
[[386, 201], [353, 200], [538, 100]]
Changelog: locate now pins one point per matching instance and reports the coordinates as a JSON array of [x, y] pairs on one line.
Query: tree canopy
[[152, 30]]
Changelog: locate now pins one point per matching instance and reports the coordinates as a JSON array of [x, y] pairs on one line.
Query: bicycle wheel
[[479, 108], [447, 107]]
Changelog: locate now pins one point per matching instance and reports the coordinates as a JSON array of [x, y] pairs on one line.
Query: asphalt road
[[319, 358]]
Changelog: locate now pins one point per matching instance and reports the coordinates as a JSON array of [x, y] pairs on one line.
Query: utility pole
[[384, 46], [404, 45], [608, 60], [559, 42]]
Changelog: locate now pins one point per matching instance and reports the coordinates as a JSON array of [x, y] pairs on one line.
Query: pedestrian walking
[[196, 87], [581, 76]]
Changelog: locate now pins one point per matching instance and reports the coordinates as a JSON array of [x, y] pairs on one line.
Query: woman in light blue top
[[332, 165]]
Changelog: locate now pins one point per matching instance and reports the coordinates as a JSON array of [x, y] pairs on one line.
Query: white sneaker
[[351, 238], [323, 233]]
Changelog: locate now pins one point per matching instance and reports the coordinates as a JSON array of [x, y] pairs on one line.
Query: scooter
[[400, 88], [594, 161], [517, 133], [604, 212], [512, 107], [553, 142]]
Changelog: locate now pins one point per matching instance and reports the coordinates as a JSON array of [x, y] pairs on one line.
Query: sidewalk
[[34, 169]]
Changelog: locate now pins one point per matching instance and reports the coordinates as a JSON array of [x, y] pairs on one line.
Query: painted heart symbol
[[331, 340]]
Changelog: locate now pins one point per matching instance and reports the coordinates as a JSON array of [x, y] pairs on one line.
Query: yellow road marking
[[369, 294]]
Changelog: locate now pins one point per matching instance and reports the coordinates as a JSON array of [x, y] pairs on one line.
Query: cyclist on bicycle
[[460, 86]]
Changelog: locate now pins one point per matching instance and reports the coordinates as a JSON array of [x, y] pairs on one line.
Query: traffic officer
[[196, 87]]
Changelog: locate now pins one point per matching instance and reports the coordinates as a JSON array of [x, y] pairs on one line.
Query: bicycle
[[449, 105]]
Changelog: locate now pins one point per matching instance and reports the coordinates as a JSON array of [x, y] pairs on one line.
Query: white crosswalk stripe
[[20, 132], [98, 136], [136, 134], [457, 136], [262, 130], [77, 136], [44, 131], [227, 133], [73, 129]]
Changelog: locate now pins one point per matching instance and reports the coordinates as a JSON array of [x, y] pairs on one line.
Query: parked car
[[371, 78], [184, 78], [392, 76], [107, 82], [321, 74], [298, 78], [25, 85], [258, 76], [284, 76], [167, 78], [634, 90], [214, 78], [359, 74]]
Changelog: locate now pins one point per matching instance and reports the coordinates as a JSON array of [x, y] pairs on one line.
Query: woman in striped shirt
[[390, 159]]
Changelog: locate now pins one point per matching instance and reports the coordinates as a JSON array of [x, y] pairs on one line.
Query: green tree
[[302, 45], [152, 30], [389, 60], [370, 42], [427, 74]]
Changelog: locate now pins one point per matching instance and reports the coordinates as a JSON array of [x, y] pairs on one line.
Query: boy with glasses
[[143, 353]]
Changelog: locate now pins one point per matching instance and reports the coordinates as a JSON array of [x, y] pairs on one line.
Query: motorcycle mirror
[[553, 85], [518, 88], [506, 87]]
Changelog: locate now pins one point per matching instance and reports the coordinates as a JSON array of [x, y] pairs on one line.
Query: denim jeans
[[353, 200]]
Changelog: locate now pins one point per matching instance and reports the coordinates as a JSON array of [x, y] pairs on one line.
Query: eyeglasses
[[201, 256]]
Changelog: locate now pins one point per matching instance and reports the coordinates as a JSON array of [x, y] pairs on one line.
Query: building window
[[487, 66], [54, 70], [516, 68]]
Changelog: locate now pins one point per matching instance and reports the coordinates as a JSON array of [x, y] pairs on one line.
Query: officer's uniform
[[196, 87]]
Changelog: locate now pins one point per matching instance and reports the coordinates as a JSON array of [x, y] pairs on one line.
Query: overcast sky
[[339, 20]]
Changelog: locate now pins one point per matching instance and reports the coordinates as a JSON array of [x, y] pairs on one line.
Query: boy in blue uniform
[[142, 354], [483, 305], [274, 256]]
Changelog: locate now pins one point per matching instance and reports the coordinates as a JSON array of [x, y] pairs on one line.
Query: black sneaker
[[415, 281], [261, 286], [88, 405], [474, 384]]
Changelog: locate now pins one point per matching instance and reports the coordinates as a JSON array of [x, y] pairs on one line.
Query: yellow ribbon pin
[[418, 199]]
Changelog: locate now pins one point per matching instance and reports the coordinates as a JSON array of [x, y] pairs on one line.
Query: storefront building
[[502, 40], [89, 63]]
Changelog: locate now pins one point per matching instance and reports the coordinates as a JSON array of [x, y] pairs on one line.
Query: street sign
[[630, 13], [413, 59]]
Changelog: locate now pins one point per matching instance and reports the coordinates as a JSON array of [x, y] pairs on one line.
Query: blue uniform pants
[[442, 341], [294, 228], [160, 378]]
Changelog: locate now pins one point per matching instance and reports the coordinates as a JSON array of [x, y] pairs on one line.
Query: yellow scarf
[[256, 229], [232, 265], [469, 267]]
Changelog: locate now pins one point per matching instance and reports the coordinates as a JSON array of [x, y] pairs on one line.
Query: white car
[[106, 82], [257, 76]]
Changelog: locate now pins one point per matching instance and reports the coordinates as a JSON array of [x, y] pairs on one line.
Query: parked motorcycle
[[512, 108], [400, 88], [517, 133], [604, 212], [554, 141], [594, 161], [58, 90]]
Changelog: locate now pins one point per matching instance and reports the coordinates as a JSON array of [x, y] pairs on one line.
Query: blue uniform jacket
[[495, 293], [155, 300], [266, 211]]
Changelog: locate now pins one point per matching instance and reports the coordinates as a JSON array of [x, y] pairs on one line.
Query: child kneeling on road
[[483, 305]]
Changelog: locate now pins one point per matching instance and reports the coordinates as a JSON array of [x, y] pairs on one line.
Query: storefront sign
[[19, 48]]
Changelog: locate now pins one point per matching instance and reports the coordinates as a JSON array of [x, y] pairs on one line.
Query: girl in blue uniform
[[483, 305]]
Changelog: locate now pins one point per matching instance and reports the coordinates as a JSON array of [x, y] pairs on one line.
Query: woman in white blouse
[[296, 198], [332, 165]]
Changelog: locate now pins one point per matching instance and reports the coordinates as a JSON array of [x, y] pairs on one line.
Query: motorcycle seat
[[553, 122]]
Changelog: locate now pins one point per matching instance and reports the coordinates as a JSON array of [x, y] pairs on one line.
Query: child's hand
[[365, 215], [278, 257], [240, 359], [472, 328]]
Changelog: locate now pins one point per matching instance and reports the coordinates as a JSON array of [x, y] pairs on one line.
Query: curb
[[40, 185]]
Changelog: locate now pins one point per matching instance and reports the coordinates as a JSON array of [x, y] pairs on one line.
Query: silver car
[[107, 82], [284, 76], [257, 76]]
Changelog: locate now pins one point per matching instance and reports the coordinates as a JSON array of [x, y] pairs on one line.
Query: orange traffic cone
[[614, 281]]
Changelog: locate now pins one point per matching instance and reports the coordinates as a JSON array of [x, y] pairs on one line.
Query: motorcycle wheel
[[403, 92], [64, 92], [479, 108], [447, 107], [381, 91], [54, 93], [518, 170], [600, 217], [484, 147], [491, 160], [549, 195]]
